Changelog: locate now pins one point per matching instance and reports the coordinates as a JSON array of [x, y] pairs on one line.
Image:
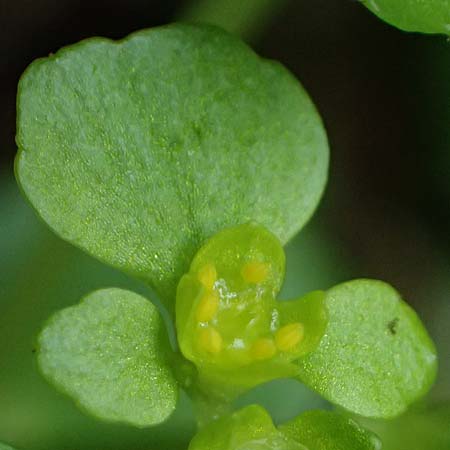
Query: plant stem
[[206, 408]]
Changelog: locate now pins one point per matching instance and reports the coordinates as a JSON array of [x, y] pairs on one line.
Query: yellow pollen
[[207, 306], [255, 272], [289, 336], [263, 348], [210, 340], [207, 275]]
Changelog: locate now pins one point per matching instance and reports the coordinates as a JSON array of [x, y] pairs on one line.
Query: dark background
[[384, 96]]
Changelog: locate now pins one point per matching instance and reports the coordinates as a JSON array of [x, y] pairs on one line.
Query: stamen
[[207, 306], [210, 340], [207, 275], [289, 336], [255, 272]]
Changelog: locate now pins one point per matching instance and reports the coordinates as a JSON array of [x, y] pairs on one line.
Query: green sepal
[[375, 357], [110, 353], [325, 430], [425, 16], [137, 151]]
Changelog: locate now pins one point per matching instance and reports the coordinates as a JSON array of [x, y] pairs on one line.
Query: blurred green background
[[384, 96]]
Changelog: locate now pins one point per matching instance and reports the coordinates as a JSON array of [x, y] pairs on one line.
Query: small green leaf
[[375, 357], [251, 428], [110, 354], [325, 430], [138, 151], [425, 16]]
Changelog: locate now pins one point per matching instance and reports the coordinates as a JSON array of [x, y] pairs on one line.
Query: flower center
[[229, 323], [237, 323]]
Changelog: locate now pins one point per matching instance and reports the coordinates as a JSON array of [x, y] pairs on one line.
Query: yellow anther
[[207, 306], [207, 275], [263, 348], [255, 272], [210, 340], [289, 336]]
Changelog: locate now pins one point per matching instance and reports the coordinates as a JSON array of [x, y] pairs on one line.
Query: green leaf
[[251, 428], [140, 150], [109, 353], [375, 357], [425, 16], [325, 430]]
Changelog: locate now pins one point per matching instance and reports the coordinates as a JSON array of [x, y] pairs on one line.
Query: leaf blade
[[432, 16], [109, 353], [325, 430], [375, 357], [137, 160]]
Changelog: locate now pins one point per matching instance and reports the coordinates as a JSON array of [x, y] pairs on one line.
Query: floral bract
[[182, 158]]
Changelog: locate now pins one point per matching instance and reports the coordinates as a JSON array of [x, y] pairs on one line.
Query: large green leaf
[[426, 16], [110, 353], [138, 151], [325, 430], [375, 357]]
